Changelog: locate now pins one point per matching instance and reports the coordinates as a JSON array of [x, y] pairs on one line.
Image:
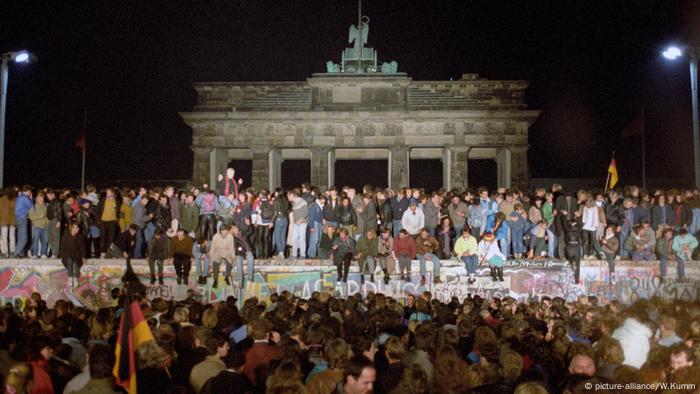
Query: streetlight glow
[[20, 56], [672, 53]]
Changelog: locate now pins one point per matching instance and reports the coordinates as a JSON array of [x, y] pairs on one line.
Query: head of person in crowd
[[582, 364], [681, 357], [358, 376]]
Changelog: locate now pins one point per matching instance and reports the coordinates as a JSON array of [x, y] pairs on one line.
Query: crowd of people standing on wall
[[327, 345], [382, 230]]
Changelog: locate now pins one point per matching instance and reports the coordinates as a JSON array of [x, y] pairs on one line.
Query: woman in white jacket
[[490, 253], [634, 336], [590, 223]]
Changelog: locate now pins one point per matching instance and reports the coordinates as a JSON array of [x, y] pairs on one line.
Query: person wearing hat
[[490, 253]]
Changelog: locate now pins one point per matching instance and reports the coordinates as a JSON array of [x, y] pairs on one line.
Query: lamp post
[[673, 53], [7, 57]]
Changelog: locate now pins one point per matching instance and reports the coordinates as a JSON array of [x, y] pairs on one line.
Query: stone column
[[331, 168], [455, 167], [218, 158], [519, 168], [200, 165], [275, 169], [261, 167], [320, 164], [503, 163], [398, 167]]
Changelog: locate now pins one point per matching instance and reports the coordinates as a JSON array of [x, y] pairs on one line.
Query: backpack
[[209, 203], [267, 210]]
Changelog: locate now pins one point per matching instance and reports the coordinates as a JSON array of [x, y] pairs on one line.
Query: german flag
[[612, 174], [133, 332]]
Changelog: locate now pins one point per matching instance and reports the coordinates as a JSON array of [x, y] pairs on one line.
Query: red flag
[[133, 332], [81, 143], [634, 127]]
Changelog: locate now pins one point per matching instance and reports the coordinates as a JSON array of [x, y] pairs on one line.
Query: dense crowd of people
[[380, 229], [325, 345]]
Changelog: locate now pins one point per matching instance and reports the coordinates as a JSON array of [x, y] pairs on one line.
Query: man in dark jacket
[[343, 252], [573, 246], [125, 243], [158, 252], [281, 221], [565, 207], [243, 251], [73, 253], [232, 379], [399, 205], [54, 212], [330, 210]]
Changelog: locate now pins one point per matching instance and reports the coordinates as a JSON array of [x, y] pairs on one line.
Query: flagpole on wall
[[82, 174], [83, 148], [644, 163]]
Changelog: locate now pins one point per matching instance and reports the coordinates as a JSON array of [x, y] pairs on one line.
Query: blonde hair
[[18, 377], [181, 315], [209, 318]]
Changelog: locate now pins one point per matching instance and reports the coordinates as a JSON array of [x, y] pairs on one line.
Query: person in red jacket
[[40, 350], [259, 356], [404, 252]]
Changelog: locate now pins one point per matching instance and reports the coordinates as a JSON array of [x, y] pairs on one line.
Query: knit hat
[[488, 237], [85, 201], [78, 354]]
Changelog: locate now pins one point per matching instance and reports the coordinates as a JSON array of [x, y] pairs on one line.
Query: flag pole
[[82, 174], [644, 164]]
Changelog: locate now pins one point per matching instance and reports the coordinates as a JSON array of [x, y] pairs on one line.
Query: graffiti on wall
[[523, 279]]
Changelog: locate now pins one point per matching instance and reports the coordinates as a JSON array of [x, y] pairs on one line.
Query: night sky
[[130, 65]]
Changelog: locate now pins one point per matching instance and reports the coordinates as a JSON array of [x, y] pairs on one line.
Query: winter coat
[[330, 213], [432, 214], [398, 207], [281, 207], [386, 214], [634, 338], [457, 220], [346, 215], [189, 217], [222, 248], [38, 216], [366, 247], [7, 211], [405, 247], [117, 207], [22, 206], [344, 247], [72, 247], [428, 245], [159, 249], [662, 215], [367, 220]]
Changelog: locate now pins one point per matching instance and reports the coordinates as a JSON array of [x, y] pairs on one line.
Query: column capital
[[261, 149], [321, 149], [399, 149]]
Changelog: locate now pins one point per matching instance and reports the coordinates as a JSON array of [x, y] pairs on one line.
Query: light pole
[[673, 53], [7, 57]]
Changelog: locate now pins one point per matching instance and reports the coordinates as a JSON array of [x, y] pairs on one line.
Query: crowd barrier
[[523, 279]]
